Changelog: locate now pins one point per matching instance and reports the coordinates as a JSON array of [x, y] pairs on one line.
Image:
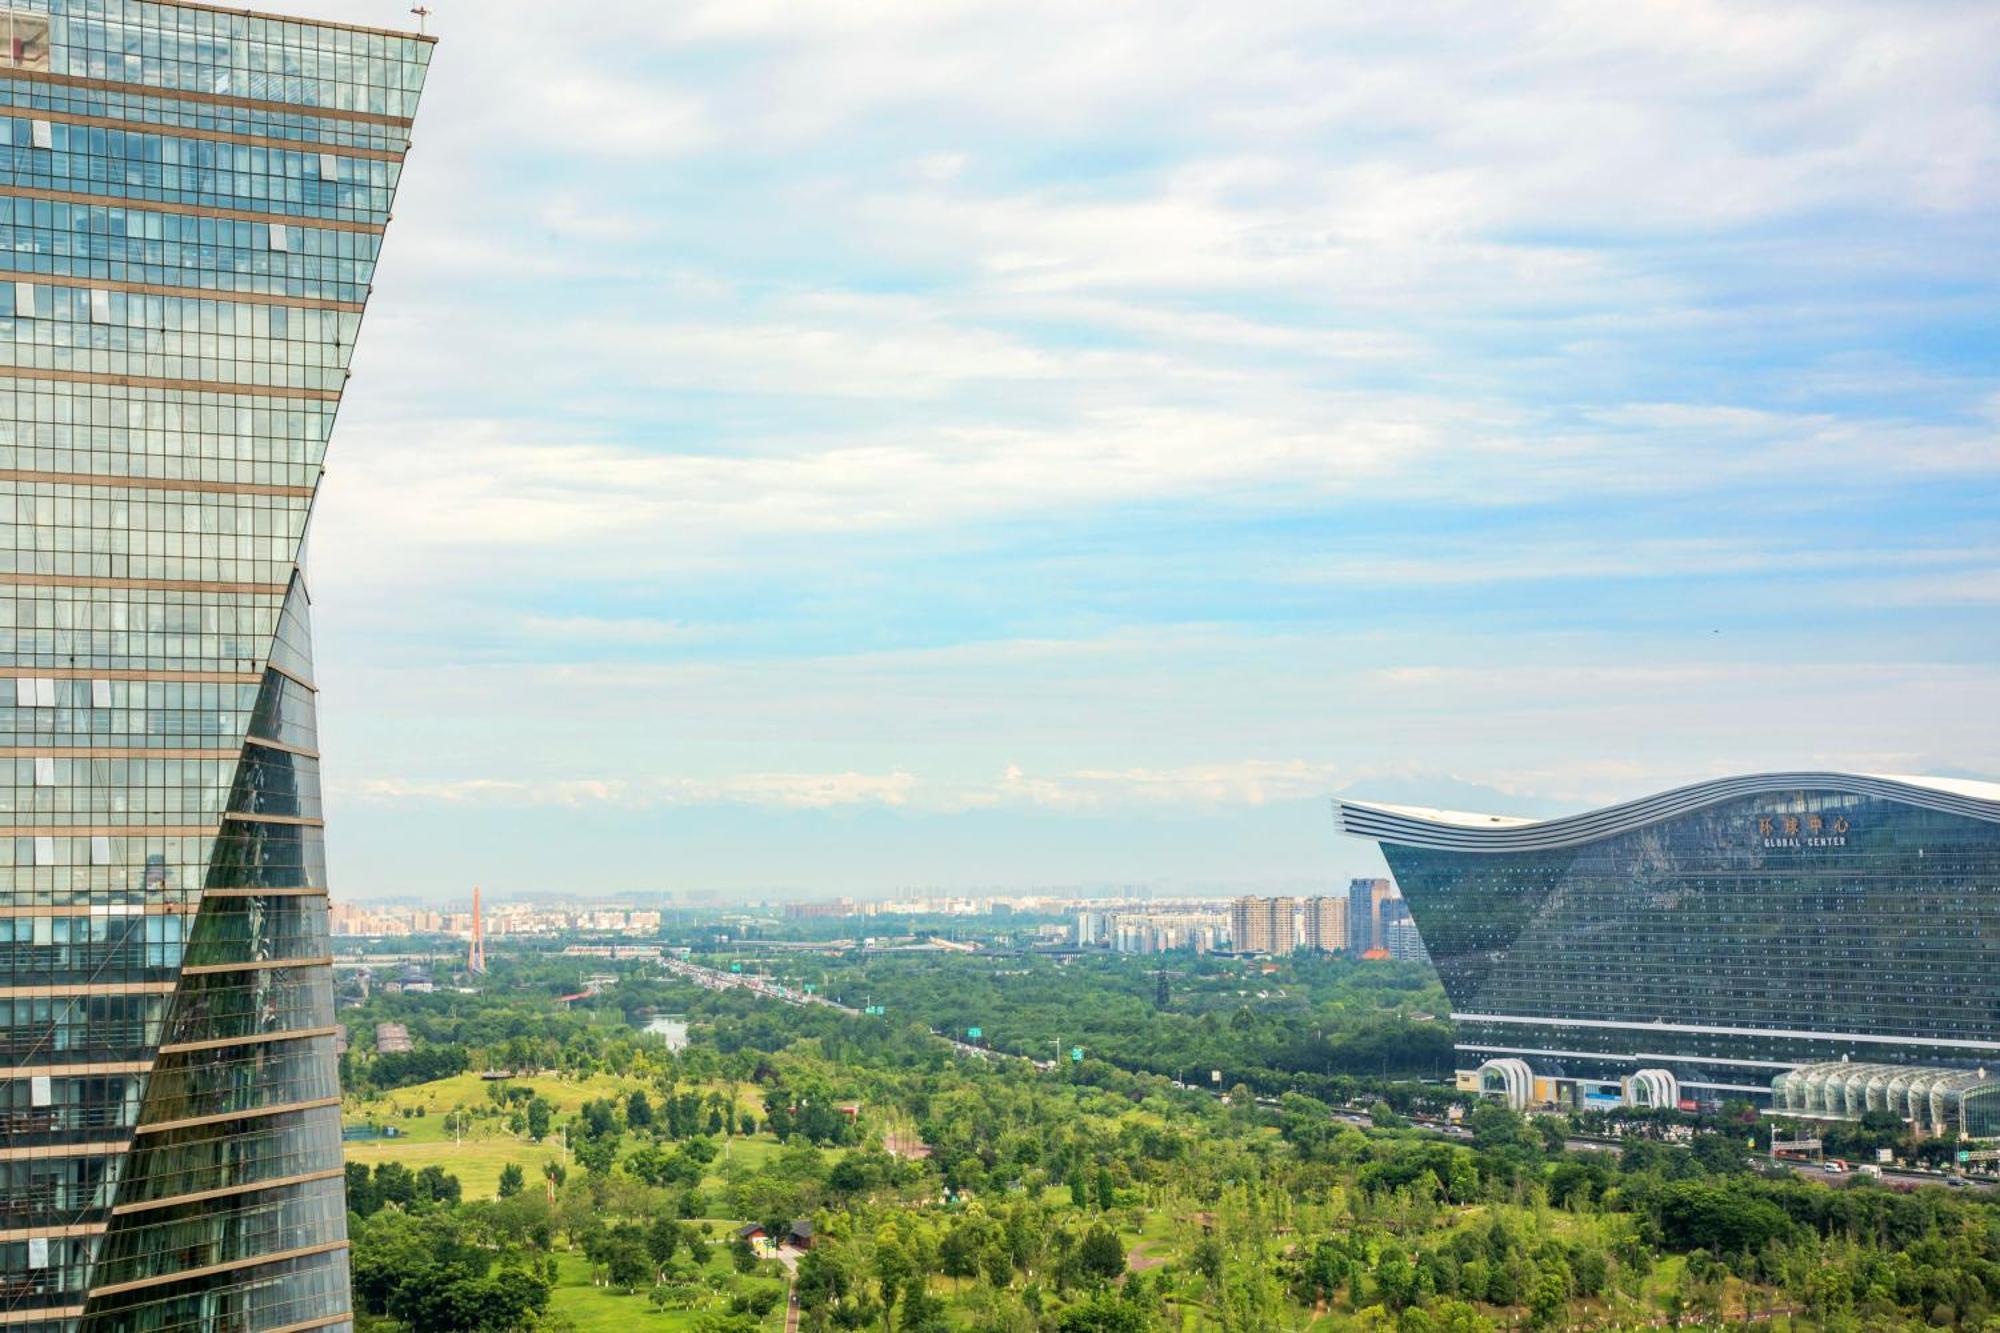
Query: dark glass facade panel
[[49, 1030], [68, 1108], [270, 1295], [252, 855], [53, 1187], [1726, 944], [232, 1079], [284, 713], [291, 643], [165, 1164], [250, 1003], [225, 1230], [277, 782], [100, 950], [59, 1282], [244, 930]]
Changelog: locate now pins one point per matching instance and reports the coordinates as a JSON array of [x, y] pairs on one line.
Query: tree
[[922, 1312], [1101, 1255], [638, 1111], [597, 1155], [742, 1255], [512, 1180], [362, 1198], [1549, 1298], [1104, 1313], [663, 1237], [1107, 1193], [540, 1113], [435, 1185], [626, 1263]]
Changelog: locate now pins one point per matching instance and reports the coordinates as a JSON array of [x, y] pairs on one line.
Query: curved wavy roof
[[1454, 830]]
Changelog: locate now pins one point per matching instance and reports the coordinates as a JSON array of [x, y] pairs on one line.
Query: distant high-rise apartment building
[[1324, 923], [1364, 913], [1400, 939], [1264, 925], [191, 206]]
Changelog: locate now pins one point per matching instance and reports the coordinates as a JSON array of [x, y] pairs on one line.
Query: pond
[[673, 1028]]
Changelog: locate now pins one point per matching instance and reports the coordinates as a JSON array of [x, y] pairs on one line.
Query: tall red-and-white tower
[[475, 958]]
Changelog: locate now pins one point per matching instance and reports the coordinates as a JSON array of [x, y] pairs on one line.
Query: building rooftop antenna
[[422, 12]]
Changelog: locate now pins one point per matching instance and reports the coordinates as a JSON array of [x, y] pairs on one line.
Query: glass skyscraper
[[192, 206], [1832, 937]]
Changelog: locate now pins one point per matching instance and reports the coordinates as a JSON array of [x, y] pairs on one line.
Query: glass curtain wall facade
[[192, 204], [1726, 933]]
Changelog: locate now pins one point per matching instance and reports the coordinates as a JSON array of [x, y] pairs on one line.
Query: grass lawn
[[476, 1162], [487, 1146], [600, 1310]]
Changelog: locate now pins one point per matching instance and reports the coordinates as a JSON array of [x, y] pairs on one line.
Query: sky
[[801, 447]]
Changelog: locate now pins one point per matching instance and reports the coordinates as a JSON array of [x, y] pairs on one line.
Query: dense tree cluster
[[947, 1192]]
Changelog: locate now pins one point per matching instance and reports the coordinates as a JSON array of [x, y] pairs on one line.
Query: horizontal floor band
[[53, 1314], [253, 1261], [254, 1113], [131, 205], [50, 1151], [146, 585], [295, 821], [1788, 1034], [267, 743], [162, 907], [292, 676], [154, 483], [108, 752], [260, 965], [73, 1229], [260, 1039], [72, 281], [1640, 1057], [307, 892], [211, 136], [227, 1191], [63, 990], [127, 673], [156, 382], [212, 99], [78, 1070], [108, 831]]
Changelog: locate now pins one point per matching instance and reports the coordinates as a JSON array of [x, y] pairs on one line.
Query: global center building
[[1818, 944], [192, 202]]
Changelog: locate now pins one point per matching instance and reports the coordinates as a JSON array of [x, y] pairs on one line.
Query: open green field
[[487, 1147], [597, 1309]]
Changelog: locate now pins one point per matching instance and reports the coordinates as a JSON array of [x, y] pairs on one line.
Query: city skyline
[[851, 462]]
